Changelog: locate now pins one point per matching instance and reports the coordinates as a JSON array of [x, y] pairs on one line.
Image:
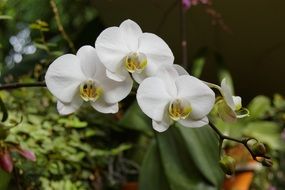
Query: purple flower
[[188, 3], [6, 162]]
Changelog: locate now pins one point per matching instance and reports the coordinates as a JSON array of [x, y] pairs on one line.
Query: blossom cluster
[[103, 76]]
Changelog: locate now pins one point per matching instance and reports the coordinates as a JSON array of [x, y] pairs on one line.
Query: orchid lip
[[89, 91], [179, 109], [135, 62]]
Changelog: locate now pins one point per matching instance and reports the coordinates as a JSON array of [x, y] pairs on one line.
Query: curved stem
[[244, 142], [60, 26], [21, 85], [183, 30]]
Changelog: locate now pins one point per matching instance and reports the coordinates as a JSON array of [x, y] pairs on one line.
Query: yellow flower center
[[135, 62], [89, 91], [179, 109]]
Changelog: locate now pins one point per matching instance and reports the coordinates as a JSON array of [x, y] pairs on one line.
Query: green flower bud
[[258, 149], [228, 164], [267, 162]]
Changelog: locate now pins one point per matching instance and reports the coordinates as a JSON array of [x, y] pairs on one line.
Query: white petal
[[168, 74], [119, 76], [194, 123], [111, 48], [160, 126], [228, 96], [153, 98], [131, 32], [114, 91], [139, 77], [157, 52], [237, 102], [64, 76], [101, 106], [163, 125], [88, 60], [68, 108], [198, 94], [180, 70]]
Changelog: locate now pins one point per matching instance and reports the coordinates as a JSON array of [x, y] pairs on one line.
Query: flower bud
[[6, 162], [267, 162], [258, 149], [29, 155], [228, 164], [225, 112]]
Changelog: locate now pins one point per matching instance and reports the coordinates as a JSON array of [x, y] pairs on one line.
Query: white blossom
[[174, 95], [74, 79], [126, 49]]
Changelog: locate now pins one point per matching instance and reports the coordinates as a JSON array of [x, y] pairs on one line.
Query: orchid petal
[[157, 52], [116, 91], [153, 98], [237, 102], [163, 125], [139, 77], [168, 74], [180, 70], [118, 76], [64, 76], [160, 126], [111, 48], [88, 60], [68, 108], [101, 106], [131, 32], [194, 123], [227, 94], [198, 94]]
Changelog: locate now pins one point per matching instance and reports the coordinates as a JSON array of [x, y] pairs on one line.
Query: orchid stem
[[244, 142], [183, 30], [12, 86]]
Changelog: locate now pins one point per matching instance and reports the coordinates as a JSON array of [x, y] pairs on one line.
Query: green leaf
[[266, 132], [152, 175], [198, 66], [135, 119], [189, 159], [259, 106], [4, 179]]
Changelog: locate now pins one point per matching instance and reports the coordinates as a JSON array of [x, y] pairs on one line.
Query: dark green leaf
[[189, 160], [135, 119]]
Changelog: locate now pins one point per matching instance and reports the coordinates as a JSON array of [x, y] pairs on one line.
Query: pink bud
[[6, 162], [29, 155]]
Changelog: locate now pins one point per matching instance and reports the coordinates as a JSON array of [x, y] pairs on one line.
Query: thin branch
[[60, 26], [183, 30], [21, 85], [244, 142]]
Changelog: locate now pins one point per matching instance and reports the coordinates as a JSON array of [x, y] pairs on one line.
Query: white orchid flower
[[230, 106], [173, 95], [74, 79], [126, 49]]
